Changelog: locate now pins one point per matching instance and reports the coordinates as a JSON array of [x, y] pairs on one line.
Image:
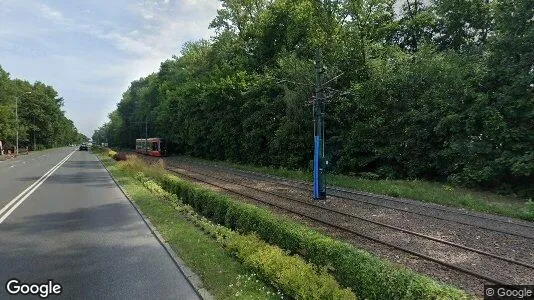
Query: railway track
[[464, 266], [479, 220], [348, 223]]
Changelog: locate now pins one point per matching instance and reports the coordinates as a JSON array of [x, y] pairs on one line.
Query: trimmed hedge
[[291, 274], [368, 276]]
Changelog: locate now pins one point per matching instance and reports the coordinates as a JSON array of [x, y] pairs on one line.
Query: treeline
[[440, 90], [41, 122]]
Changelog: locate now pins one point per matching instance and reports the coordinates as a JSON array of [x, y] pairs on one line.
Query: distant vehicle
[[151, 146], [84, 147]]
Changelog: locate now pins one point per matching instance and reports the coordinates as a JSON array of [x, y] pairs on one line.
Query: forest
[[439, 90], [41, 121]]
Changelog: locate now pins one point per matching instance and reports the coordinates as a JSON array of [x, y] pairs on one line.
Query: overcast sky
[[91, 50]]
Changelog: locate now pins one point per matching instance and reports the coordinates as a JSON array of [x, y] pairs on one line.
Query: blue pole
[[319, 185], [316, 171]]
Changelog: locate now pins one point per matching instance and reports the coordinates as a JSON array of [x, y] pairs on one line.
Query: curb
[[191, 277]]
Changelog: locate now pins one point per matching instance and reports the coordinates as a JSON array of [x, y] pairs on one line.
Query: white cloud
[[166, 26], [121, 42], [162, 36], [125, 43], [49, 12]]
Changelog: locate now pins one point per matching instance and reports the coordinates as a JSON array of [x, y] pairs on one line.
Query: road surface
[[77, 229]]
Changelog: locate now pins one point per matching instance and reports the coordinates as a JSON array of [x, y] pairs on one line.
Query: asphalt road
[[78, 229]]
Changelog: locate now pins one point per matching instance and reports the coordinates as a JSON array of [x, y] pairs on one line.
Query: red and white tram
[[151, 146]]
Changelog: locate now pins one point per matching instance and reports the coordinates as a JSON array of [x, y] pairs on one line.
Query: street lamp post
[[34, 143], [17, 122]]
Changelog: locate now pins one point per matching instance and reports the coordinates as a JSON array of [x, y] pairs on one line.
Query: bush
[[111, 153], [121, 156], [364, 273], [134, 164], [291, 274]]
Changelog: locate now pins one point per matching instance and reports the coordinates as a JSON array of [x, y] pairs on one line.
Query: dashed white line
[[29, 190]]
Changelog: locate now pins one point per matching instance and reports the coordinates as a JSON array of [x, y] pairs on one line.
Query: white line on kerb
[[29, 190]]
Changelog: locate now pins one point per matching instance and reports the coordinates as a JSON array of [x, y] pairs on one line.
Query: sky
[[90, 51]]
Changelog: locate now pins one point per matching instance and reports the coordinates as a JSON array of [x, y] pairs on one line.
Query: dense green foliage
[[41, 119], [440, 90]]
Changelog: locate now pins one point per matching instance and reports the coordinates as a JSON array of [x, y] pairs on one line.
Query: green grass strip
[[291, 274], [221, 273]]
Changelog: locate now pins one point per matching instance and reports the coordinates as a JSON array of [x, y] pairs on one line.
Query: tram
[[151, 146]]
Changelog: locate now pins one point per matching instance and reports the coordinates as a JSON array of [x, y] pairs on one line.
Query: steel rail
[[294, 183], [448, 265], [524, 264]]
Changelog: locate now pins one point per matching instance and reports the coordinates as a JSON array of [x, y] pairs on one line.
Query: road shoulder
[[191, 277]]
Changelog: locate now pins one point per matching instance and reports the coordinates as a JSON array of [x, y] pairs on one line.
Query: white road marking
[[29, 190]]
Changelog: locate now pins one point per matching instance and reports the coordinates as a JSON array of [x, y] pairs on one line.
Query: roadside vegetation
[[42, 122], [296, 259], [221, 274], [210, 248], [432, 192], [440, 91]]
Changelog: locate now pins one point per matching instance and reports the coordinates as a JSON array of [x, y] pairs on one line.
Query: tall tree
[[416, 25], [462, 23]]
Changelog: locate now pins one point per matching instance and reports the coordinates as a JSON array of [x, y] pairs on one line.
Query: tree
[[509, 134], [462, 23], [440, 91], [41, 123], [416, 25]]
